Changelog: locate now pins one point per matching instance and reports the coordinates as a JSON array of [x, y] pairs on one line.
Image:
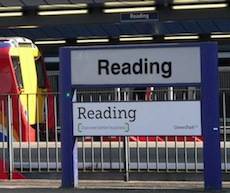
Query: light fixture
[[63, 12], [11, 8], [96, 40], [11, 11], [197, 1], [128, 3], [181, 37], [63, 9], [135, 38], [23, 27], [219, 36], [43, 42], [127, 10], [11, 14], [62, 6], [200, 6]]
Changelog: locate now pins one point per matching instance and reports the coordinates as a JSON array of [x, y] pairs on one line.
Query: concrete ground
[[104, 186]]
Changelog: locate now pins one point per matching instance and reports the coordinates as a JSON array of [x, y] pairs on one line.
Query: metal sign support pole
[[66, 114], [210, 118]]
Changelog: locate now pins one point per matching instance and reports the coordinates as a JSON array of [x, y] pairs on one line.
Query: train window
[[40, 73], [17, 69]]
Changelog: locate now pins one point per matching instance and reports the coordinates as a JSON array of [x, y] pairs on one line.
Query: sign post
[[141, 65], [210, 118]]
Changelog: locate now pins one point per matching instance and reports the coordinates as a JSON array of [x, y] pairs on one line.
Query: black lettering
[[81, 112], [142, 66], [120, 111], [146, 66], [132, 115], [114, 113], [98, 114], [107, 113], [90, 114], [166, 68], [126, 68], [157, 67], [115, 68], [137, 67], [103, 65]]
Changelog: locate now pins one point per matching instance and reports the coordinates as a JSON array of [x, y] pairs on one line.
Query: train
[[25, 105], [26, 101]]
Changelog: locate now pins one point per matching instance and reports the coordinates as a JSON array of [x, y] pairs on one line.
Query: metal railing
[[134, 153]]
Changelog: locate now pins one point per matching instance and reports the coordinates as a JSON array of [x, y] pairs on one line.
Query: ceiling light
[[102, 40], [62, 6], [219, 36], [197, 1], [126, 10], [11, 8], [63, 12], [180, 37], [50, 42], [11, 14], [135, 38], [200, 6], [23, 27], [128, 3]]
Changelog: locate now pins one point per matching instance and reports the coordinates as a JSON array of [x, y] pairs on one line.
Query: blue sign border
[[209, 110]]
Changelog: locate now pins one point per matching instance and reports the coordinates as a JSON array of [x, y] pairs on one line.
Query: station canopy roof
[[78, 19]]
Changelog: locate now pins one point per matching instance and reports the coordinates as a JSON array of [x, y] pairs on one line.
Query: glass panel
[[17, 69], [40, 73]]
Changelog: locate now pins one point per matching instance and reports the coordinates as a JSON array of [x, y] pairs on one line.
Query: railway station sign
[[163, 65], [139, 17], [128, 66], [169, 118]]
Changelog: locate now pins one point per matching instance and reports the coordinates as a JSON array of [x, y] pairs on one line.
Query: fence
[[153, 153]]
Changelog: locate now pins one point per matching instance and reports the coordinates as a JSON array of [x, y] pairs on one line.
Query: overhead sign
[[159, 65], [138, 17], [137, 118]]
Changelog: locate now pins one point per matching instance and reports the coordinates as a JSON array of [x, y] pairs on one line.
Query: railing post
[[10, 138], [126, 158], [126, 145]]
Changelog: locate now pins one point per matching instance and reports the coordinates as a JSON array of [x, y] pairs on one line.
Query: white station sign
[[144, 65], [137, 118]]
